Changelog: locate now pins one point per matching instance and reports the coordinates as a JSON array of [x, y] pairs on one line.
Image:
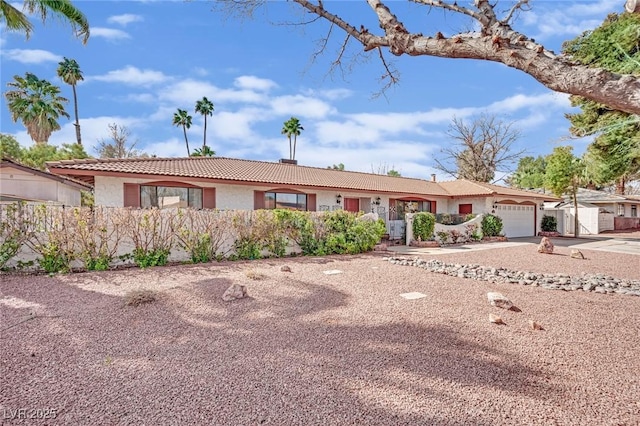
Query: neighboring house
[[21, 183], [598, 211], [234, 184]]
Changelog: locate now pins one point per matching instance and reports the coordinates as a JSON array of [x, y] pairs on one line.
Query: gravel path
[[309, 348]]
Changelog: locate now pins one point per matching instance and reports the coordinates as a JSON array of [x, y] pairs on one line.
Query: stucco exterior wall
[[22, 184], [479, 205], [109, 192]]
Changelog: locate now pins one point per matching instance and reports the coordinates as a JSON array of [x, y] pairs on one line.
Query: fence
[[58, 238]]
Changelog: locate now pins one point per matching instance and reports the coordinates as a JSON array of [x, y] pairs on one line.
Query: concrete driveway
[[627, 243]]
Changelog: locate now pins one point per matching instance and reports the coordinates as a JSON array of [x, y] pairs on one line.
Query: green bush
[[146, 258], [54, 259], [491, 225], [549, 224], [423, 226]]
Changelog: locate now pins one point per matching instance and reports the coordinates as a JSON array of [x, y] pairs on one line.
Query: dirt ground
[[309, 348]]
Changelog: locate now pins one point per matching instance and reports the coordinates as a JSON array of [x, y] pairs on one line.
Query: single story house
[[598, 211], [21, 183], [236, 184]]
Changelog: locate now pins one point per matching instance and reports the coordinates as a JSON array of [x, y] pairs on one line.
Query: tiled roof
[[230, 169], [464, 187], [8, 162], [595, 196]]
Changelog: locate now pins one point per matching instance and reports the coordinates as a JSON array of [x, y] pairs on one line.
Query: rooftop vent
[[433, 177]]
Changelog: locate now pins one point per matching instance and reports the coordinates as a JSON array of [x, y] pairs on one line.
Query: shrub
[[154, 257], [140, 297], [491, 225], [549, 224], [423, 226]]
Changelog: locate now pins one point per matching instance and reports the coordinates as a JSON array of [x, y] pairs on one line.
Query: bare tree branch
[[518, 6]]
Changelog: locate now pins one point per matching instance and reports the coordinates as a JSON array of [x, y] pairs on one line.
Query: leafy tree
[[564, 175], [529, 174], [204, 152], [492, 39], [38, 104], [182, 118], [9, 147], [393, 173], [615, 153], [205, 107], [15, 20], [479, 149], [292, 127], [119, 145], [38, 154], [69, 71], [336, 167]]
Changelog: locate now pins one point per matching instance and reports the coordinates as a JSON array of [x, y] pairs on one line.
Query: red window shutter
[[208, 198], [433, 207], [132, 195], [311, 202], [258, 200]]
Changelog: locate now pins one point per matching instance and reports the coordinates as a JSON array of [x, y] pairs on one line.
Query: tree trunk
[[620, 185], [295, 140], [204, 141], [497, 42], [186, 141], [75, 107]]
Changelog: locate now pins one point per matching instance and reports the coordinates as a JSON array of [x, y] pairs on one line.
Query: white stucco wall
[[20, 183], [479, 205]]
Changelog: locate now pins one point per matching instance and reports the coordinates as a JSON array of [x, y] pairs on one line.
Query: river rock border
[[597, 283]]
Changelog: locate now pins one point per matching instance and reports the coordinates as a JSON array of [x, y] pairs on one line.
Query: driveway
[[626, 243]]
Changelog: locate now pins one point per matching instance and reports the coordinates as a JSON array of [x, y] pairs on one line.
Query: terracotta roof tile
[[231, 169], [464, 187]]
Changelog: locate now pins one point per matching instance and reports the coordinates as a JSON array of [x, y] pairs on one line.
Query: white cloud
[[251, 82], [330, 94], [200, 71], [124, 19], [521, 101], [301, 106], [186, 92], [172, 147], [132, 76], [31, 56], [109, 33]]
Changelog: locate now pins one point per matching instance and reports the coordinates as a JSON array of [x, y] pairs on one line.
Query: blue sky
[[145, 59]]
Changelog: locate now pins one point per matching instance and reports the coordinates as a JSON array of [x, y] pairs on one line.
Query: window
[[166, 197], [283, 200], [403, 207], [465, 208], [634, 210], [620, 209]]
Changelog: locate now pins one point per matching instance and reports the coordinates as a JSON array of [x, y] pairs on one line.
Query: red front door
[[352, 205]]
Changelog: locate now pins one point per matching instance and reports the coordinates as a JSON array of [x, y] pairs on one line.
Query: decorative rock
[[535, 325], [577, 254], [499, 300], [285, 268], [236, 291], [546, 246], [495, 319], [380, 247]]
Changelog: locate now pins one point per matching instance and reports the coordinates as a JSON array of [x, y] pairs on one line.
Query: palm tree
[[37, 103], [69, 71], [182, 118], [293, 128], [204, 152], [205, 107], [16, 20]]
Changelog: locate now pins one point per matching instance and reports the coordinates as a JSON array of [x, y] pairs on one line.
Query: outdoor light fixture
[[377, 201], [338, 199], [495, 205], [541, 206]]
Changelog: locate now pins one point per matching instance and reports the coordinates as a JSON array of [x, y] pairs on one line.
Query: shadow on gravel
[[291, 356]]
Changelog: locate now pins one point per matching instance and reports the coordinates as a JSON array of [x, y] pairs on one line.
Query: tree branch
[[517, 6]]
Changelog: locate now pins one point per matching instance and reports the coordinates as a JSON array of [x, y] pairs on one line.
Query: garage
[[517, 220]]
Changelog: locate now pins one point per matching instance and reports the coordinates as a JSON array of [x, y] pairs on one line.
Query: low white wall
[[443, 228]]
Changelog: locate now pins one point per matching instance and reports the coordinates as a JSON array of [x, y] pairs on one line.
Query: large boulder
[[499, 300], [546, 246], [236, 291]]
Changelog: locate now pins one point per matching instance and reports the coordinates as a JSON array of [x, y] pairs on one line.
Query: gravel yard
[[310, 348]]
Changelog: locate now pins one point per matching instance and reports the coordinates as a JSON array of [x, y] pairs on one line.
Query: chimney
[[287, 161], [433, 177]]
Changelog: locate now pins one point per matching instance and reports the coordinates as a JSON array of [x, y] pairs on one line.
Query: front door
[[352, 205]]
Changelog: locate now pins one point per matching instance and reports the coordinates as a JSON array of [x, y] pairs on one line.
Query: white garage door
[[517, 221]]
